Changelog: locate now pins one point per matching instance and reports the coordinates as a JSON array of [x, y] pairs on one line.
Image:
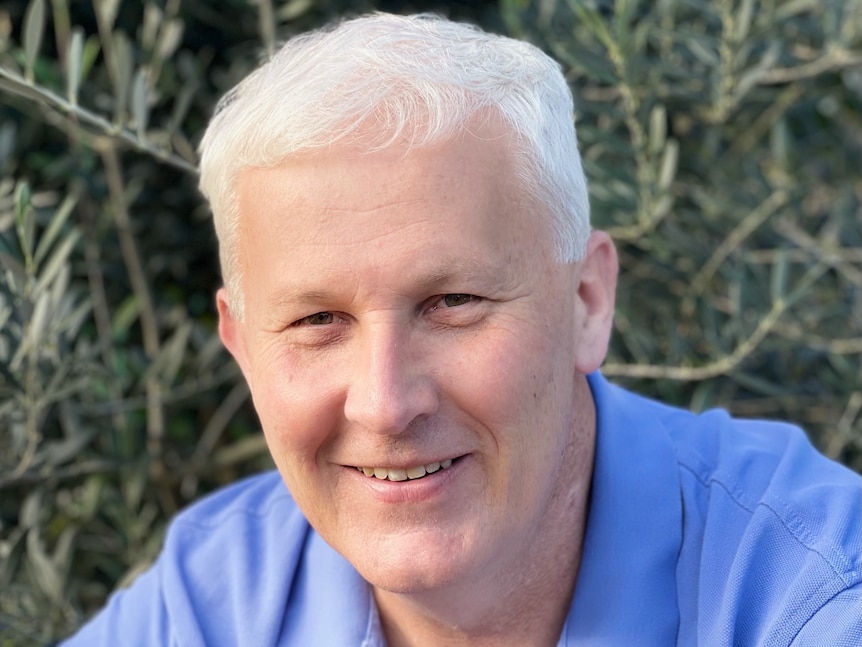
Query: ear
[[596, 298], [232, 333]]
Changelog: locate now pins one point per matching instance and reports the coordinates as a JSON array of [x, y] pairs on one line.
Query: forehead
[[387, 216]]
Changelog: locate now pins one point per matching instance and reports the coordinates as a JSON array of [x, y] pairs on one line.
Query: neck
[[523, 600]]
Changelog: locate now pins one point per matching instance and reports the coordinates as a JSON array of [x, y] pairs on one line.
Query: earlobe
[[596, 299], [230, 331]]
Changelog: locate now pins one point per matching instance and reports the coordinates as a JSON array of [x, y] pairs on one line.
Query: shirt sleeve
[[133, 617], [838, 623]]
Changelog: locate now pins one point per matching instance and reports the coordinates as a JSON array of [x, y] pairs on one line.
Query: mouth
[[409, 474]]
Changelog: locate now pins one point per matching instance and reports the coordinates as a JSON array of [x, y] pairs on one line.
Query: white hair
[[419, 79]]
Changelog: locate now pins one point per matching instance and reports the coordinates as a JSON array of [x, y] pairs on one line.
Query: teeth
[[384, 473], [416, 472]]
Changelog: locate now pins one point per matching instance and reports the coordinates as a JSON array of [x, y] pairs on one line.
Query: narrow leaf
[[57, 222], [266, 22], [31, 510], [124, 316], [92, 47], [75, 59], [657, 128], [126, 65], [754, 74], [73, 322], [779, 276], [106, 10], [169, 39], [668, 164], [56, 262], [39, 321], [743, 20], [153, 18], [44, 570], [140, 109], [25, 219], [22, 202], [34, 29], [295, 8]]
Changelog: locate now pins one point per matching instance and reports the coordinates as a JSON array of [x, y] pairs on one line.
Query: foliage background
[[722, 138]]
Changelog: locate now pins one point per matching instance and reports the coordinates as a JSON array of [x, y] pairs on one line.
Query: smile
[[411, 473]]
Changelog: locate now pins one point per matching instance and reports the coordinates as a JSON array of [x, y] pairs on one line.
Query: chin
[[416, 564]]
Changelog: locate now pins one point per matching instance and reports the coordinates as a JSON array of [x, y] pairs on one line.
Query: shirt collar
[[626, 588]]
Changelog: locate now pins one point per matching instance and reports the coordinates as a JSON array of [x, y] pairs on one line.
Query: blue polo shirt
[[702, 530]]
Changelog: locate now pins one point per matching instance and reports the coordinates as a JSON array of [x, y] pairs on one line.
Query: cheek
[[505, 376], [298, 411]]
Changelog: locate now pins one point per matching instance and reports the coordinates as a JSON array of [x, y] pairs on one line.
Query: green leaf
[[34, 29], [743, 20], [57, 222], [125, 315], [167, 363], [294, 9], [170, 36], [266, 24], [126, 65], [753, 75], [22, 202], [75, 58], [669, 162], [56, 262], [73, 322], [25, 220], [31, 509], [92, 47], [153, 18], [657, 128], [778, 287], [45, 572], [140, 109], [39, 321], [106, 10]]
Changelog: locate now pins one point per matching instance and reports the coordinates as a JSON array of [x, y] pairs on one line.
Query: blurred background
[[722, 140]]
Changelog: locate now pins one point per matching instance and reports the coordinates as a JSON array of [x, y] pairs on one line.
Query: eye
[[454, 300], [317, 319]]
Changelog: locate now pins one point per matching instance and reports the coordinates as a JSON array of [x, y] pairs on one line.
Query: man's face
[[404, 315]]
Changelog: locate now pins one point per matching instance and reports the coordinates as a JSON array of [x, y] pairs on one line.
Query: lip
[[427, 488]]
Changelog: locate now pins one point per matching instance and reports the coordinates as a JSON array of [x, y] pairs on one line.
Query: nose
[[389, 386]]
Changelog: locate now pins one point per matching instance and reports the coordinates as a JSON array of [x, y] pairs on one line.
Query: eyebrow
[[435, 277]]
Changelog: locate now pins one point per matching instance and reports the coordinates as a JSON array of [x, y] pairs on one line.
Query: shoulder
[[770, 470], [772, 529], [246, 539], [225, 570], [236, 523]]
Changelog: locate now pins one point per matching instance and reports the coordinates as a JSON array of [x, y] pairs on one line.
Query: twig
[[16, 84], [729, 362], [734, 239], [140, 287], [32, 477], [217, 423], [842, 346], [834, 60]]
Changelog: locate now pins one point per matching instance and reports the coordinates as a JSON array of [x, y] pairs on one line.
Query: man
[[419, 307]]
